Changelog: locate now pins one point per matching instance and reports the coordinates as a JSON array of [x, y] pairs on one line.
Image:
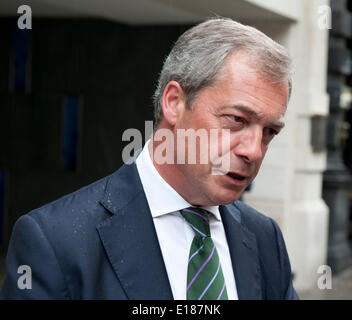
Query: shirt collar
[[162, 198]]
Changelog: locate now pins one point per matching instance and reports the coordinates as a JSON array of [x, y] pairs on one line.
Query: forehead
[[240, 82]]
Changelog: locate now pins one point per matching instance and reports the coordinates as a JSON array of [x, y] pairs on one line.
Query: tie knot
[[198, 219]]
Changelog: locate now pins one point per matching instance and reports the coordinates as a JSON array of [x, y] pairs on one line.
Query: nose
[[250, 146]]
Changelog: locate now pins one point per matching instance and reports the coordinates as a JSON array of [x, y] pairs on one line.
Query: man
[[174, 229]]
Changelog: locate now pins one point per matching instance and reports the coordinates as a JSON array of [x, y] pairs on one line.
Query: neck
[[173, 175]]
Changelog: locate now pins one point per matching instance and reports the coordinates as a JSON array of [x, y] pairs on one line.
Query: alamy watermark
[[25, 20], [324, 17], [184, 146], [25, 280], [325, 280]]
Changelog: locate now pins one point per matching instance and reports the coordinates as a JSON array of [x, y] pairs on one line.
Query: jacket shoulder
[[252, 218], [84, 201]]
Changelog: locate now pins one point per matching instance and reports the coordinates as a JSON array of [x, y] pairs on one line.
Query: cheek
[[258, 164], [222, 140], [264, 150]]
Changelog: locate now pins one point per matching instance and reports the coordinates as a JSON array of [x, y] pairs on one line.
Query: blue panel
[[70, 133], [2, 203], [20, 59]]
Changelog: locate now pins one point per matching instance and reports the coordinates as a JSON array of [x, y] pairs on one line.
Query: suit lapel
[[130, 239], [244, 254]]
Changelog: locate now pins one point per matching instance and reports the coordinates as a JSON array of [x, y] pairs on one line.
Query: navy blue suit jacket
[[100, 243]]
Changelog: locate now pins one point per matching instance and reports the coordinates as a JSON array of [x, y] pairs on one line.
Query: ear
[[173, 102]]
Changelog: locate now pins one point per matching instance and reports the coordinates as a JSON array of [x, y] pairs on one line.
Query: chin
[[226, 197]]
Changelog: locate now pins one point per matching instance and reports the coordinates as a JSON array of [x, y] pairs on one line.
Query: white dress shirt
[[174, 233]]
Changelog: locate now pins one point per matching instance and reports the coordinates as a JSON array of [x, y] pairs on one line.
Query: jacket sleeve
[[32, 268], [288, 292]]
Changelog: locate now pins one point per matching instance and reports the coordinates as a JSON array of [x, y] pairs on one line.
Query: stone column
[[337, 180], [289, 186]]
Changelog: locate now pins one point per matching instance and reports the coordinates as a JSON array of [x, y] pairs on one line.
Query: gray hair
[[196, 59]]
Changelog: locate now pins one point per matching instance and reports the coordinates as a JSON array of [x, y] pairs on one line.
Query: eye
[[272, 132], [269, 134], [237, 119]]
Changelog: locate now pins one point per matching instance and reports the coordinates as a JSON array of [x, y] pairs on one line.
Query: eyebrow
[[253, 114]]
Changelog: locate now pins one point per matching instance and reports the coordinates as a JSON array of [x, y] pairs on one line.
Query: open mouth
[[236, 176]]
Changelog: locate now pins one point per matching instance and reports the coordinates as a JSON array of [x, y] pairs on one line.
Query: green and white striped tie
[[205, 280]]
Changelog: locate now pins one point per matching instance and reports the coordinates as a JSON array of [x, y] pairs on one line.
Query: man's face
[[251, 108]]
